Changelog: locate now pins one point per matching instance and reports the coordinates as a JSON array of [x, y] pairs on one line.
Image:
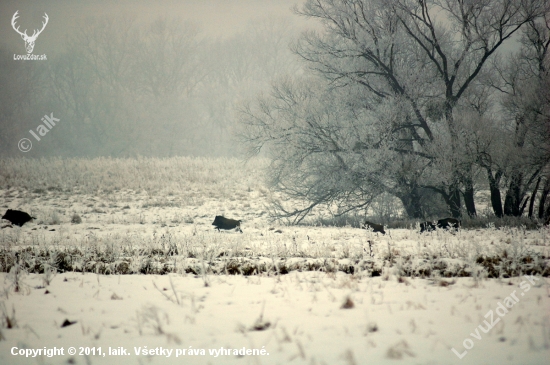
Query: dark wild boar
[[17, 217], [427, 226], [225, 223], [448, 223], [375, 227]]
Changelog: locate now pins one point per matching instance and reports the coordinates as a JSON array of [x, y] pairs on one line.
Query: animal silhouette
[[17, 217]]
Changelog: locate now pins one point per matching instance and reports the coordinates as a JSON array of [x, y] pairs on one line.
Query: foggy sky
[[237, 58], [217, 18]]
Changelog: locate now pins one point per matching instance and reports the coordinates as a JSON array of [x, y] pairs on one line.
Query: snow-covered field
[[291, 294], [297, 318]]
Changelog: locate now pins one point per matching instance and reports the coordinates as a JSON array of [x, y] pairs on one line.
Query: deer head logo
[[29, 41]]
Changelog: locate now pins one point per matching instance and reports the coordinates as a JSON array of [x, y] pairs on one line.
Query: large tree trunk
[[496, 201], [513, 199], [411, 203], [469, 198], [454, 201], [542, 201], [523, 205], [454, 191], [532, 202]]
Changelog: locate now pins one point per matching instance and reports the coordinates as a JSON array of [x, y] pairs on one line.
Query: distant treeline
[[121, 88]]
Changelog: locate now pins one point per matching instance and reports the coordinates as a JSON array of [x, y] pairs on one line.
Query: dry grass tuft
[[348, 303]]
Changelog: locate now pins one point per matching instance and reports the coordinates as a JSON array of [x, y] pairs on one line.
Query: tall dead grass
[[153, 175]]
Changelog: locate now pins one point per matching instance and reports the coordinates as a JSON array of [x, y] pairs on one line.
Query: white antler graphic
[[29, 41]]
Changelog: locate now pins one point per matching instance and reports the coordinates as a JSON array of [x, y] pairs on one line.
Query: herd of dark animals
[[19, 218], [445, 223]]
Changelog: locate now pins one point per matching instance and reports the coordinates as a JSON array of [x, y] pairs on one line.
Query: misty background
[[436, 108], [141, 78]]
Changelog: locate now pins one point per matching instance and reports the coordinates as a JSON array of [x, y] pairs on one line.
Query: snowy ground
[[411, 299], [299, 318]]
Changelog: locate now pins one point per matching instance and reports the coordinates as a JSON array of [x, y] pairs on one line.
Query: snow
[[311, 295], [299, 316]]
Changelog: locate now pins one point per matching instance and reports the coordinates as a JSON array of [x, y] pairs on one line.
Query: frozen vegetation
[[302, 294]]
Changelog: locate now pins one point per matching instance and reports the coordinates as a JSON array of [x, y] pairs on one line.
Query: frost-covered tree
[[315, 136], [521, 161], [413, 66]]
